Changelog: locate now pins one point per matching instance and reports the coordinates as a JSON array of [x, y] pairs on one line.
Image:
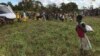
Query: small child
[[81, 31]]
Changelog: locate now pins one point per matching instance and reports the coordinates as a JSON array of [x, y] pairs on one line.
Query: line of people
[[56, 16], [45, 16]]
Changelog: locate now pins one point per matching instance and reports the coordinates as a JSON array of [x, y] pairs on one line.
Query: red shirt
[[80, 31]]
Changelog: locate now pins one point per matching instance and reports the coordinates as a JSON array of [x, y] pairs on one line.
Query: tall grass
[[46, 38]]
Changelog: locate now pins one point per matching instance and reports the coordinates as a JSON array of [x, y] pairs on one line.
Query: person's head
[[79, 18]]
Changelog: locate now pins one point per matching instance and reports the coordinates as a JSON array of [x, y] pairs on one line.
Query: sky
[[13, 1], [80, 3]]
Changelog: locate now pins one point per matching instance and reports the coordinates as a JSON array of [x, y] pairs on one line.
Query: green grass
[[46, 38]]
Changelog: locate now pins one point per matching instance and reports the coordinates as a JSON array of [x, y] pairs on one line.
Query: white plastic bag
[[89, 28]]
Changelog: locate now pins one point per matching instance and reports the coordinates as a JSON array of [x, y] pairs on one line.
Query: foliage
[[70, 7], [29, 6], [53, 8], [38, 6], [9, 3]]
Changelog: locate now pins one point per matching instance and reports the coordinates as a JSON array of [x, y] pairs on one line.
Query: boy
[[81, 31]]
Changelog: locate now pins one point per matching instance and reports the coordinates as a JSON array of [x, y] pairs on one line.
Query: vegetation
[[46, 38], [70, 7], [38, 6]]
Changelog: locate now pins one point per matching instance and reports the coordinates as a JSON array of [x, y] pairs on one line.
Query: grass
[[46, 38]]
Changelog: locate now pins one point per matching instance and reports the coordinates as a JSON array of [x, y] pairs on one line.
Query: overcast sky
[[80, 3]]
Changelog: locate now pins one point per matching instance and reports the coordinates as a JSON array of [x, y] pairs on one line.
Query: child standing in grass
[[81, 31]]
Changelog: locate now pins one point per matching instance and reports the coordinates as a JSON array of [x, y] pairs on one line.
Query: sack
[[89, 28]]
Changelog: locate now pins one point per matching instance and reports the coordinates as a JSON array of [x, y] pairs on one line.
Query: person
[[61, 17], [24, 17], [84, 41], [18, 16], [44, 16]]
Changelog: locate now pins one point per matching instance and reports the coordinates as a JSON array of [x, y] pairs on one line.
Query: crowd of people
[[46, 16]]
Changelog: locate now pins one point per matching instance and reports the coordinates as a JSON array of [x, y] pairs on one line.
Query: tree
[[70, 7], [10, 4], [53, 8], [27, 5], [24, 5], [15, 7], [38, 5], [20, 6], [63, 7]]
